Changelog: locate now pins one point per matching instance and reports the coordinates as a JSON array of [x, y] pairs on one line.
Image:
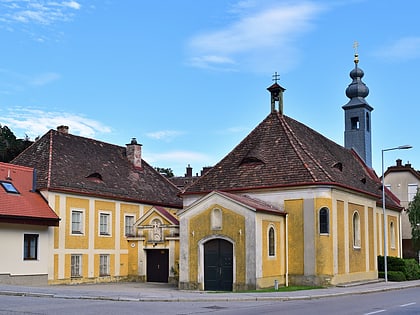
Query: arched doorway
[[218, 265]]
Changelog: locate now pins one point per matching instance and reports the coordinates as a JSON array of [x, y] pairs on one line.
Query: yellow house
[[325, 223], [104, 195]]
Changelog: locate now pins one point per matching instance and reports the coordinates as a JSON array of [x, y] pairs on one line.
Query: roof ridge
[[289, 132]]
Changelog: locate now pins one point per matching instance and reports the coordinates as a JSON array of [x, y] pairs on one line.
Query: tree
[[10, 146], [414, 218], [167, 172]]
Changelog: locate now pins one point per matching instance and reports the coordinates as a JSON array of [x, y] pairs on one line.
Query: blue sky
[[188, 78]]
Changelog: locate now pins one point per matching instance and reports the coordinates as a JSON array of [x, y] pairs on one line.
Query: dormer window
[[95, 177], [9, 187]]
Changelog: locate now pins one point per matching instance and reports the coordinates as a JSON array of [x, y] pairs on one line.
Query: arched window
[[392, 232], [356, 230], [271, 242], [324, 221]]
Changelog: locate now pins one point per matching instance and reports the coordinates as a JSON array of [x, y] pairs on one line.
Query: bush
[[409, 268], [412, 269]]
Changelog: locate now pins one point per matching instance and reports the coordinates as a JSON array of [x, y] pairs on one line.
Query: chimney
[[134, 153], [399, 162], [63, 129], [188, 171]]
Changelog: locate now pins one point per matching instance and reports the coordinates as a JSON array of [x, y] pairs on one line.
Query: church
[[289, 206]]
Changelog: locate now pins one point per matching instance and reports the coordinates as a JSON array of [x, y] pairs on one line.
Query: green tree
[[167, 172], [10, 146], [414, 218]]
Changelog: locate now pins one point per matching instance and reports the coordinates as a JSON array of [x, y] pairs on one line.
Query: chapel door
[[157, 265], [218, 265]]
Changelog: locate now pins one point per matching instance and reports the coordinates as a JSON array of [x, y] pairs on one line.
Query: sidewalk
[[158, 292]]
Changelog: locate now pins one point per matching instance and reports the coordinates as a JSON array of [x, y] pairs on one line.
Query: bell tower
[[357, 115]]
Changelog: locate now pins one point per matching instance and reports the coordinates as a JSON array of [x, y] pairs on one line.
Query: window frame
[[105, 228], [357, 239], [129, 229], [9, 187], [80, 224], [104, 264], [271, 244], [324, 221], [30, 246], [76, 266]]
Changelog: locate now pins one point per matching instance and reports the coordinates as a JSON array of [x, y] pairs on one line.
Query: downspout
[[287, 252], [400, 235]]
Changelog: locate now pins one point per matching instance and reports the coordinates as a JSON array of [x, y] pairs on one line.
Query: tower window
[[355, 123], [367, 122]]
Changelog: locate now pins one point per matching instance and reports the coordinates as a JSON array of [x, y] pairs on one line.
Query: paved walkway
[[157, 292]]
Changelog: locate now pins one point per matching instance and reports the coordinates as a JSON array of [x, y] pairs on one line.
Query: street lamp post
[[401, 147]]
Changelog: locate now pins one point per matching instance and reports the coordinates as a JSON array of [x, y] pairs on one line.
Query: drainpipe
[[287, 252]]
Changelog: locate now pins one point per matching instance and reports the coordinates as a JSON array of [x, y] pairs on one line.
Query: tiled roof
[[282, 152], [258, 205], [79, 165], [27, 206]]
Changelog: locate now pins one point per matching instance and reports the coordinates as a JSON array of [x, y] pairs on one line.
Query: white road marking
[[376, 312], [408, 304]]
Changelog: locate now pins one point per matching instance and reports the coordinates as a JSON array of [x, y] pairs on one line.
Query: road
[[405, 301]]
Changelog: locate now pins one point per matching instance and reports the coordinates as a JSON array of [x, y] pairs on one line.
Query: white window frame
[[357, 239], [411, 191], [104, 262], [76, 265], [327, 224], [129, 228], [105, 228], [81, 229], [271, 227], [392, 234]]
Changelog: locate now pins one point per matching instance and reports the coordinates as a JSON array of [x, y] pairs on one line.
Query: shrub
[[396, 276], [393, 264], [412, 269]]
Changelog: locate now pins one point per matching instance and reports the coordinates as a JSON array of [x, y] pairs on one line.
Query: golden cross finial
[[355, 46], [356, 55]]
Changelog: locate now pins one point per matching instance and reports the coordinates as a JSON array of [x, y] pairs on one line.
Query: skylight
[[9, 187]]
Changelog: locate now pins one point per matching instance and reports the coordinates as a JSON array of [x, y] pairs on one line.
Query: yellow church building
[[289, 206]]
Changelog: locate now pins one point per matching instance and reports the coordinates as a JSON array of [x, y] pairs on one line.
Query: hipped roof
[[282, 152], [80, 165]]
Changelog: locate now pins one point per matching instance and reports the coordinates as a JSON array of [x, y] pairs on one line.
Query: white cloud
[[35, 122], [407, 48], [254, 36], [167, 135], [36, 11]]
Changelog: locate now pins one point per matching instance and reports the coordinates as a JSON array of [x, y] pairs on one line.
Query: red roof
[[27, 206]]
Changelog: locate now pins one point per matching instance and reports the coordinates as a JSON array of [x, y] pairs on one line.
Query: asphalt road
[[404, 301]]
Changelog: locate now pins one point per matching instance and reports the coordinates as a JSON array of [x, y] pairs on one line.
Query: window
[[412, 191], [76, 222], [355, 123], [392, 234], [76, 266], [9, 187], [271, 242], [30, 246], [356, 230], [104, 219], [103, 265], [324, 221], [129, 225], [367, 122]]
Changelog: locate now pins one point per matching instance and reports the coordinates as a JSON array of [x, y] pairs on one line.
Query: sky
[[188, 78]]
